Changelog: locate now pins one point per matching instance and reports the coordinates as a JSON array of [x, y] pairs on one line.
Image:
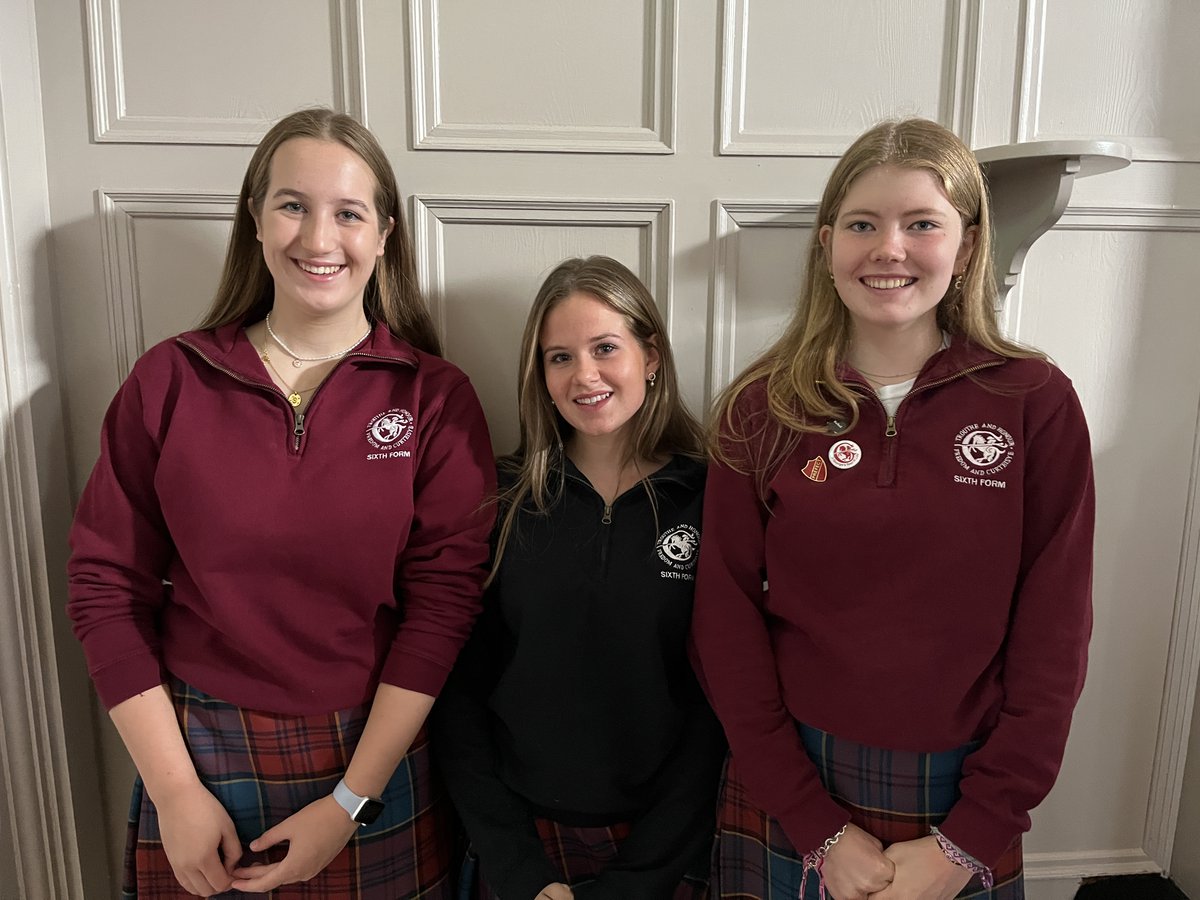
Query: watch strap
[[352, 803]]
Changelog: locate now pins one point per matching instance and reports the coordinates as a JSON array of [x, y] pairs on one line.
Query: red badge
[[845, 454], [815, 469]]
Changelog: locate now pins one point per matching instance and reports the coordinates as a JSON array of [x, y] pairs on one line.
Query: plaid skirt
[[579, 854], [263, 767], [893, 795]]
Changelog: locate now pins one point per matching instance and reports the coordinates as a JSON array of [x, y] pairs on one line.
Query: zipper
[[891, 431], [607, 511], [298, 429]]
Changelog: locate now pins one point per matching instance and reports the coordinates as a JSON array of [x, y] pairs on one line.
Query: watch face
[[368, 811]]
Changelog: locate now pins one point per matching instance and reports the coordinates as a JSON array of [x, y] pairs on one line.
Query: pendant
[[296, 363], [294, 399]]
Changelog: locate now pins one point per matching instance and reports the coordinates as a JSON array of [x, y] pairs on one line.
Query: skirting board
[[1056, 876]]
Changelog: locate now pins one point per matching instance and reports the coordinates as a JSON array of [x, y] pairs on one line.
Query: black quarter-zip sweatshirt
[[574, 699]]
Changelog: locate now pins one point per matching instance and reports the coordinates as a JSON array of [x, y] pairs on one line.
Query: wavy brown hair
[[392, 295], [662, 426], [799, 372]]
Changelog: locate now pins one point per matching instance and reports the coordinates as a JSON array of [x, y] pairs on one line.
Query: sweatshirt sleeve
[[737, 667], [120, 552], [675, 830], [440, 569], [498, 821], [1046, 652]]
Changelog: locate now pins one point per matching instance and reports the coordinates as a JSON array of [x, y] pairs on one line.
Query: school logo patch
[[984, 449], [678, 547], [845, 454], [816, 470], [387, 431]]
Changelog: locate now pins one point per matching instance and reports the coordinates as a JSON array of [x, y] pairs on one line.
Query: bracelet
[[828, 845], [960, 858], [814, 861]]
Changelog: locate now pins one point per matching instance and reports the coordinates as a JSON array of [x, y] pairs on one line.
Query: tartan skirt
[[579, 854], [893, 795], [265, 766]]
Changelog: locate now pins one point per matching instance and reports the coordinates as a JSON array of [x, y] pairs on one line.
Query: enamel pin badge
[[815, 470], [845, 454]]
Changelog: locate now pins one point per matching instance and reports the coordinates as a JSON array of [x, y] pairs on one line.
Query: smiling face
[[595, 368], [320, 231], [894, 247]]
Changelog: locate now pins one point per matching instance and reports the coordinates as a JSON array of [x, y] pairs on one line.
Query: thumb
[[231, 847]]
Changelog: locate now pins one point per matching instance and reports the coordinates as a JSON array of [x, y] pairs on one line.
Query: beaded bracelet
[[959, 858], [814, 861]]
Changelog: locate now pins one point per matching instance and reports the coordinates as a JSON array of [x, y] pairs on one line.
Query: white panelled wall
[[691, 140]]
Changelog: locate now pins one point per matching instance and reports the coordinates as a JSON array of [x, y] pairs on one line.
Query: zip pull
[[891, 427], [298, 430], [606, 519]]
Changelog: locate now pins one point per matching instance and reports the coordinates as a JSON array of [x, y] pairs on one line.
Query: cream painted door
[[690, 140]]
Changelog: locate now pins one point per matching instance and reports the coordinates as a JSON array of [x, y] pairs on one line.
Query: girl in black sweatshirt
[[574, 739]]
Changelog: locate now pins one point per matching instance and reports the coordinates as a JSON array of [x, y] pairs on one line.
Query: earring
[[650, 378], [958, 282]]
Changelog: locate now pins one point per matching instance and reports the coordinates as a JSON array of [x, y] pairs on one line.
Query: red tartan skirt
[[579, 854], [893, 795], [263, 767]]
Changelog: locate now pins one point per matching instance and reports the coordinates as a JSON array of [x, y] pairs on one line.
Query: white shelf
[[1031, 185]]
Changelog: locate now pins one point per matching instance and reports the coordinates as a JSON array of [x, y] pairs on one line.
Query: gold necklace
[[877, 378], [294, 396], [897, 375]]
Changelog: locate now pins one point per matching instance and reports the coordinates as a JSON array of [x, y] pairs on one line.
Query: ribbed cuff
[[977, 832], [414, 673]]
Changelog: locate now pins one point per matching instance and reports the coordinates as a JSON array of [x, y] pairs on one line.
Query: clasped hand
[[202, 844], [858, 868], [315, 835]]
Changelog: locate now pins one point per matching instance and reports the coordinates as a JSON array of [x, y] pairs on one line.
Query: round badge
[[845, 454]]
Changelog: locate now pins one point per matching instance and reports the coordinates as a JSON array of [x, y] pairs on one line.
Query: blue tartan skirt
[[893, 795], [265, 766]]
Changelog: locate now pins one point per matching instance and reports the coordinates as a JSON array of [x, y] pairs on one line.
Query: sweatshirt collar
[[228, 348], [679, 469]]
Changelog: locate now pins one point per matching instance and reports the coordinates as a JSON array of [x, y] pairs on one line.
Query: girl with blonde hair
[[893, 598], [575, 742], [280, 550]]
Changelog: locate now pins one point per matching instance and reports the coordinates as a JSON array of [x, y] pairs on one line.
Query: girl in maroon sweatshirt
[[894, 592], [280, 550]]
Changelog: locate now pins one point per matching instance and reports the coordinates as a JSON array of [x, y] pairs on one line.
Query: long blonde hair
[[662, 426], [392, 295], [799, 372]]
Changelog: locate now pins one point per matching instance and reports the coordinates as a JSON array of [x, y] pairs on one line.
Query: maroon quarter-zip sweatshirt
[[279, 561], [916, 583]]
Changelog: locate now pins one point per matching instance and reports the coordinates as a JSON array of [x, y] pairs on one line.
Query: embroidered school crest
[[984, 449], [390, 429], [678, 548]]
